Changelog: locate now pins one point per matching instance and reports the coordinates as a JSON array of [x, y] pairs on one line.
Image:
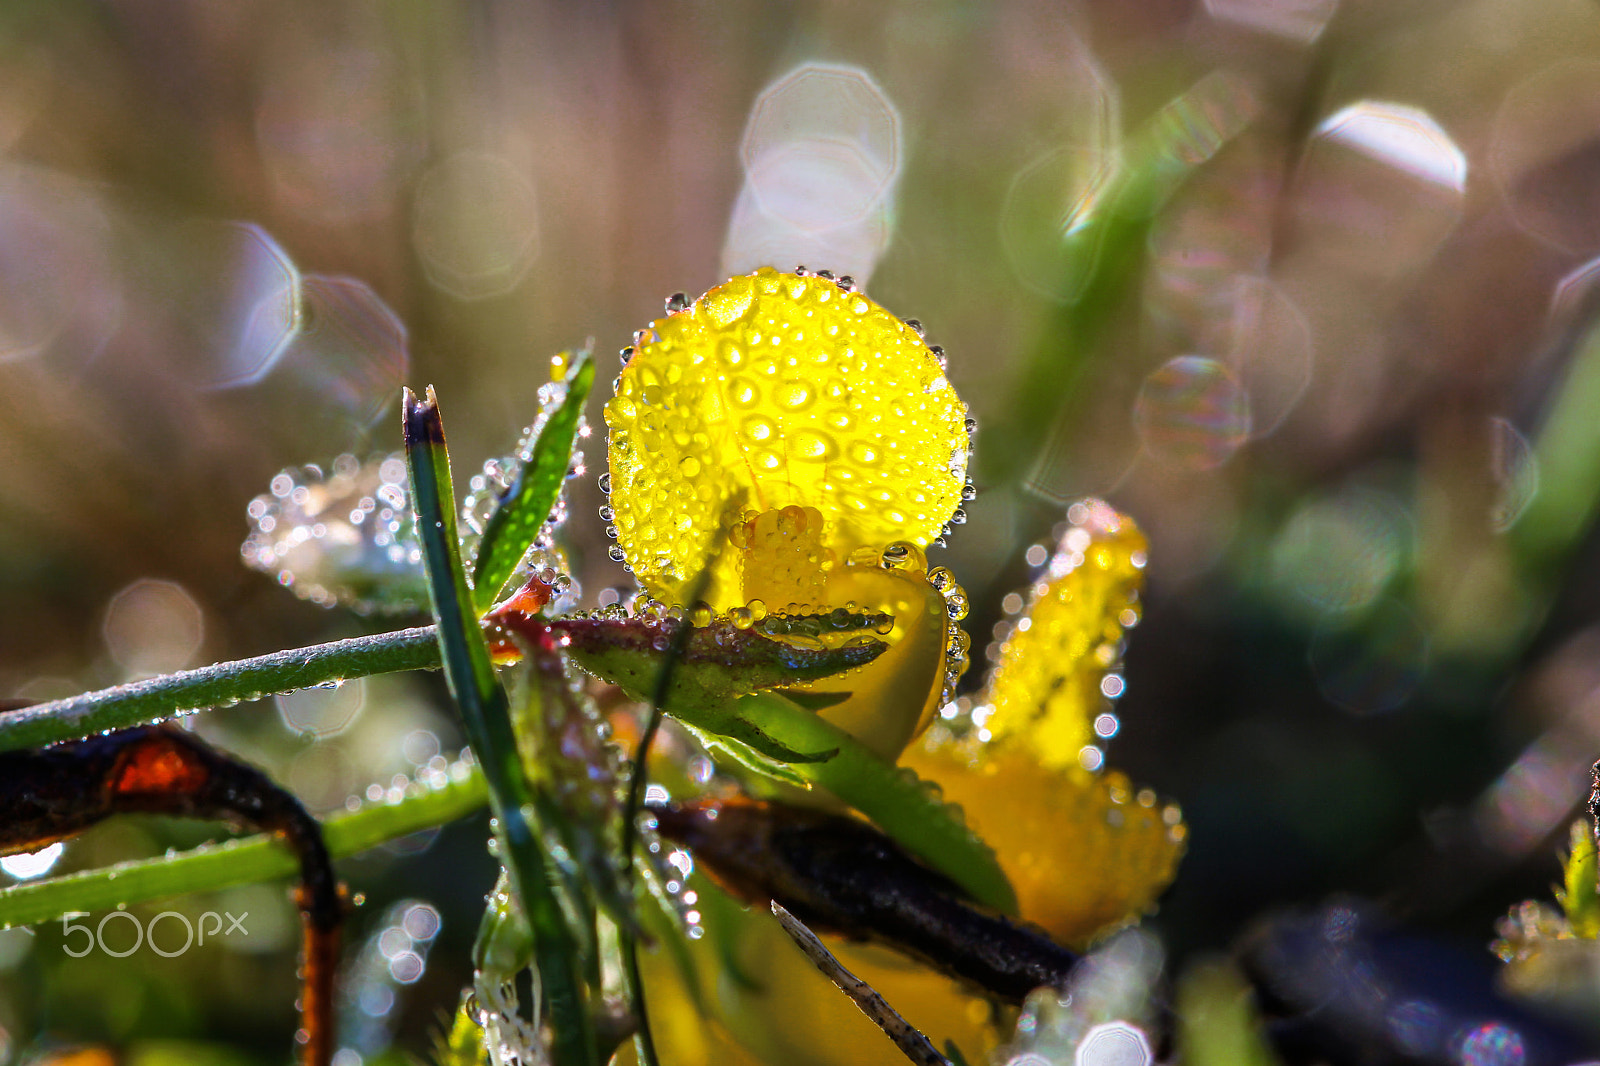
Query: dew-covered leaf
[[515, 524], [575, 772], [721, 662]]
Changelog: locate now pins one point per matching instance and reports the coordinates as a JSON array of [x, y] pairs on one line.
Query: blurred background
[[1343, 374]]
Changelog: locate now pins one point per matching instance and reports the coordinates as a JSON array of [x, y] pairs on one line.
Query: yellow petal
[[774, 390], [1085, 853], [894, 697], [1046, 687], [768, 1003]]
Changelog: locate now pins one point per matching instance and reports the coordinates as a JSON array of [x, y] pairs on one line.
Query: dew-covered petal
[[1084, 853], [1049, 684], [776, 390]]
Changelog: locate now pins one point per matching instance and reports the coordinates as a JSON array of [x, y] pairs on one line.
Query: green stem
[[244, 861], [142, 702], [486, 718]]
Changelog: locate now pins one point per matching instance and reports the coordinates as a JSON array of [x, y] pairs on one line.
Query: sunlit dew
[[1380, 188], [342, 536], [1515, 468], [323, 712], [475, 225], [821, 154], [29, 864], [1301, 21], [1191, 412], [350, 356], [1491, 1044], [1114, 1044], [59, 293], [1544, 154], [240, 299], [1371, 664], [153, 627], [339, 129], [1338, 552]]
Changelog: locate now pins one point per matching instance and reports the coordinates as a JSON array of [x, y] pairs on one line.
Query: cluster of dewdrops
[[340, 536]]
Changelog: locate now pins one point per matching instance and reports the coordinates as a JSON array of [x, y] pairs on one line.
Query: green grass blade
[[486, 717], [1177, 140], [158, 698], [517, 521], [244, 861]]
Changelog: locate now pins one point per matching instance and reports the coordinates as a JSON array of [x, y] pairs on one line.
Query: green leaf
[[515, 524], [573, 767], [261, 857], [893, 798], [724, 749], [486, 717], [1580, 898], [720, 662]]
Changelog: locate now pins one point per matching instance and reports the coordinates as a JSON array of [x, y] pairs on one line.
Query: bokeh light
[[239, 297], [1491, 1044], [475, 225], [1049, 200], [1270, 351], [1372, 664], [1053, 195], [1192, 413], [59, 293], [821, 155], [350, 357], [1515, 469], [1114, 1044], [153, 626], [323, 711], [1381, 186], [1301, 21], [1338, 552], [1544, 153], [338, 130], [30, 864]]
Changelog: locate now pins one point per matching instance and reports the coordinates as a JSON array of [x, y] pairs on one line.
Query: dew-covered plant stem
[[486, 718], [142, 702], [244, 861]]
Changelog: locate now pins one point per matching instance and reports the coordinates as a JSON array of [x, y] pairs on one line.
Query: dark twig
[[912, 1044]]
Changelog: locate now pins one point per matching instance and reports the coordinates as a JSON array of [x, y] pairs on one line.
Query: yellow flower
[[806, 444], [1085, 851]]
